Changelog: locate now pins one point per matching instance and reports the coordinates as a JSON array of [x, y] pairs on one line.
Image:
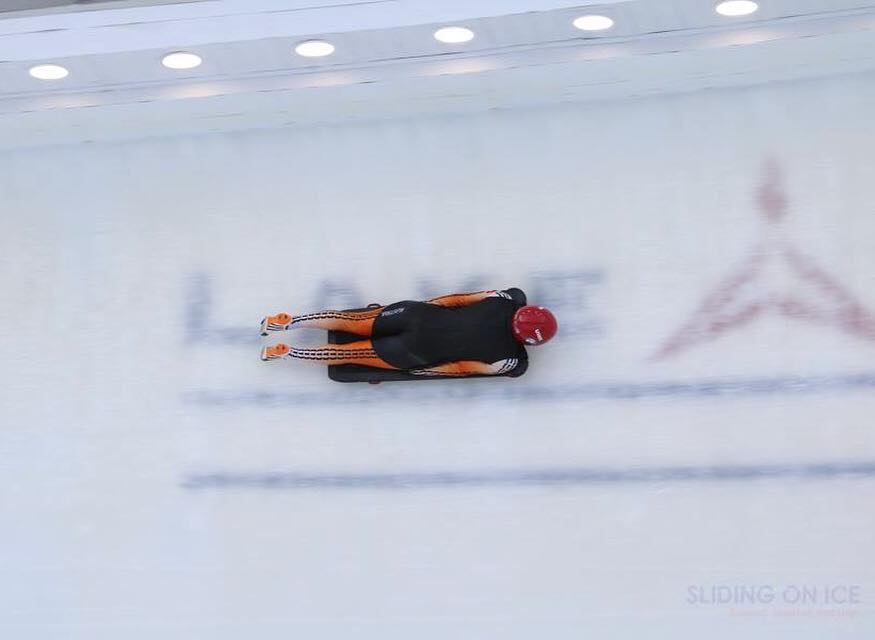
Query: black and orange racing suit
[[456, 335]]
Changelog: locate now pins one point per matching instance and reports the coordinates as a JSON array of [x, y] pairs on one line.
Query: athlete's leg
[[358, 322], [361, 352]]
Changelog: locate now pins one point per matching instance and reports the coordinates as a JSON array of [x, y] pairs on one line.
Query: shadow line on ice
[[525, 477]]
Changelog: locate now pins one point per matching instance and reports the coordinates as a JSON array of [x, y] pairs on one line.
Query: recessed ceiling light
[[48, 72], [593, 23], [181, 60], [314, 49], [453, 35], [736, 8]]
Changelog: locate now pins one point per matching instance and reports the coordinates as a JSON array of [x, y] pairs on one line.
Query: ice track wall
[[699, 435]]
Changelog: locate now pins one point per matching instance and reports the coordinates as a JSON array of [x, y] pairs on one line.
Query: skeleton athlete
[[466, 334]]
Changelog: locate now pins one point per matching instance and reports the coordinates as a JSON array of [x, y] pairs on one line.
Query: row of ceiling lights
[[448, 35]]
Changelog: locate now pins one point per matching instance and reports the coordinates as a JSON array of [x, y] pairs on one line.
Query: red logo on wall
[[775, 279]]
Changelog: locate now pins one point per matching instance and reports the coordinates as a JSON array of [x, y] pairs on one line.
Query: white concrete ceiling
[[526, 52]]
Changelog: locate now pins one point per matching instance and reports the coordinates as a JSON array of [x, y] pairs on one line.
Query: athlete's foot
[[275, 352], [278, 322]]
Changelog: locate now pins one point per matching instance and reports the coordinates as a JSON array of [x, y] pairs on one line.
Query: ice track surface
[[698, 437]]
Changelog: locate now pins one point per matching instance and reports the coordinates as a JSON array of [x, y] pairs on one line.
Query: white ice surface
[[133, 277]]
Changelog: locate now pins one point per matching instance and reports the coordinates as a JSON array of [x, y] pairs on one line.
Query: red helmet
[[534, 325]]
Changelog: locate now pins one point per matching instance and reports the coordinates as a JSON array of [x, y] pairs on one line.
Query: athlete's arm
[[464, 299], [468, 368]]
